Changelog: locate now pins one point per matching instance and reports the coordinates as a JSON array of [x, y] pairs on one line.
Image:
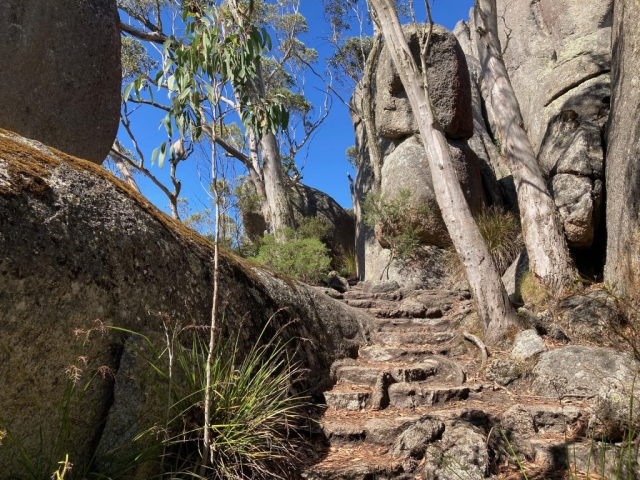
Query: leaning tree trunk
[[494, 308], [549, 258]]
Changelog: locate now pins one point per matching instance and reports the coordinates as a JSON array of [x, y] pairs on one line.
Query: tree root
[[480, 344]]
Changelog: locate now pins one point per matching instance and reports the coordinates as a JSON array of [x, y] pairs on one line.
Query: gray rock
[[77, 245], [449, 88], [573, 197], [337, 282], [514, 275], [380, 287], [61, 73], [527, 344], [623, 169], [606, 376], [558, 55], [504, 371], [407, 168], [414, 440], [581, 371], [590, 316], [462, 453]]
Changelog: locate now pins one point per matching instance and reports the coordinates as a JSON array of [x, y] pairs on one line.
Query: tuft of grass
[[502, 234], [254, 413], [348, 266]]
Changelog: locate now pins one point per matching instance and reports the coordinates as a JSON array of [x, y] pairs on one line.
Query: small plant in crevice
[[399, 224]]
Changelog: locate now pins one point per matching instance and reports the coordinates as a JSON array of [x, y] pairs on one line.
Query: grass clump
[[501, 233], [253, 411], [300, 253]]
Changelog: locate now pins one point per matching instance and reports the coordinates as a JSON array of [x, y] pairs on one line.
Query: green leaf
[[163, 154], [127, 92]]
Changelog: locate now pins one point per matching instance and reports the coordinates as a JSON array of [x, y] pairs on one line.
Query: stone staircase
[[415, 380]]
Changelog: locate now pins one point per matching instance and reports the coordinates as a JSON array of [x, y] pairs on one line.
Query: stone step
[[367, 373], [411, 395], [344, 396], [355, 462], [389, 353], [412, 324], [422, 337], [376, 428]]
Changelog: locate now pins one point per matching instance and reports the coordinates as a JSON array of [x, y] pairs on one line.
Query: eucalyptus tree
[[549, 258], [494, 308], [259, 117]]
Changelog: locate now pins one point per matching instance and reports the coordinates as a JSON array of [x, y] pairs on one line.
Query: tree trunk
[[280, 213], [549, 258], [494, 308]]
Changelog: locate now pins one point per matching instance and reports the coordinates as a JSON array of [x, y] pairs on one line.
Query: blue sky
[[325, 164]]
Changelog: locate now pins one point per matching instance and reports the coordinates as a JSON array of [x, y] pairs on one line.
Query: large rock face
[[61, 73], [558, 57], [623, 154], [80, 250], [449, 88], [405, 165]]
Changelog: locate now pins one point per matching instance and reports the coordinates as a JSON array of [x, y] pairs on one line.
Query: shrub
[[297, 253], [399, 223]]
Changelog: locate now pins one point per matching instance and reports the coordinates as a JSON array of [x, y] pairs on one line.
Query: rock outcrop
[[558, 57], [623, 154], [405, 166], [80, 250], [61, 73]]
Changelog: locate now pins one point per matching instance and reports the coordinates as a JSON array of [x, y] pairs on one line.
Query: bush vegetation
[[300, 253], [399, 222]]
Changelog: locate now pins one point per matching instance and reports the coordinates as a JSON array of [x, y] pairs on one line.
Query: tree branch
[[154, 37]]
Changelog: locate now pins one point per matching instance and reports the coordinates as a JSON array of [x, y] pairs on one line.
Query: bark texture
[[541, 226], [493, 305]]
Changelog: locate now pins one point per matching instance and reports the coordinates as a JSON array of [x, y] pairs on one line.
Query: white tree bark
[[494, 308], [280, 212], [549, 257]]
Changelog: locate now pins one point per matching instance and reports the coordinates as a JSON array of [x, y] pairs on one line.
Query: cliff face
[[558, 54], [623, 154], [79, 250]]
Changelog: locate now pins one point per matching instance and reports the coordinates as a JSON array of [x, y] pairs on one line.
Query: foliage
[[300, 253], [349, 59], [252, 409], [136, 61], [400, 222], [204, 52], [352, 156], [501, 232]]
